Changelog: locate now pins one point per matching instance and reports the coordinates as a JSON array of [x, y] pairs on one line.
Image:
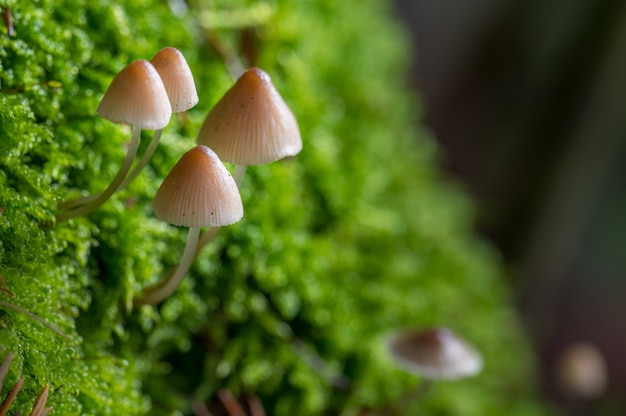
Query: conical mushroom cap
[[137, 97], [198, 192], [177, 78], [251, 124], [435, 354]]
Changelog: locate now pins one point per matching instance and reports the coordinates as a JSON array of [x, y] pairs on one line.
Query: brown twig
[[39, 408], [256, 407], [4, 287], [8, 21], [11, 396], [231, 404]]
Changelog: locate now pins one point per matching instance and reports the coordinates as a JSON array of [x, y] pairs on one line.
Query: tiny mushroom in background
[[435, 354], [198, 192], [251, 124], [136, 97], [582, 371]]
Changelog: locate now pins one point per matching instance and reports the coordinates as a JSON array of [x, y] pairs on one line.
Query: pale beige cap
[[137, 97], [435, 353], [198, 192], [582, 371], [251, 124], [177, 78]]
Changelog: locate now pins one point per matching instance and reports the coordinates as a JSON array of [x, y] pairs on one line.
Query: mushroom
[[136, 97], [581, 371], [435, 354], [250, 125], [198, 192], [181, 91]]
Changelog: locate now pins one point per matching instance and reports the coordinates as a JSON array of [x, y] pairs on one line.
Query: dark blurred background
[[528, 100]]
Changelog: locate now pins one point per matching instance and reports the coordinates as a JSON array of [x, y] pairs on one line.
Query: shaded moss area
[[356, 236]]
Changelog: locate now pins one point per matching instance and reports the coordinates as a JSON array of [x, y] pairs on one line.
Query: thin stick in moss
[[8, 21], [198, 192], [4, 287], [36, 318], [6, 404]]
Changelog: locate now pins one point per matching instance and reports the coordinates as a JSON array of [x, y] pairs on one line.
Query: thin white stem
[[206, 238], [240, 171], [127, 180], [144, 159], [113, 186], [167, 286]]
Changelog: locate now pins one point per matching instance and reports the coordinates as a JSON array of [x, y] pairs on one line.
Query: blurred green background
[[528, 99]]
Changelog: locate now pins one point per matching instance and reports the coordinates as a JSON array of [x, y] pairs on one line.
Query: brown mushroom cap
[[177, 78], [435, 354], [137, 97], [199, 191], [251, 124]]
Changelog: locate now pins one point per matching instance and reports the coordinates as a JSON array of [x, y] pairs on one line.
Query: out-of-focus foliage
[[356, 236]]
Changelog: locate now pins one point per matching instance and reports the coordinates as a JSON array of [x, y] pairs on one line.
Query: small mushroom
[[251, 124], [136, 97], [435, 354], [181, 91], [198, 192]]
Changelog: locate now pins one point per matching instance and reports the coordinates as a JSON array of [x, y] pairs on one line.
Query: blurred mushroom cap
[[435, 353], [582, 371]]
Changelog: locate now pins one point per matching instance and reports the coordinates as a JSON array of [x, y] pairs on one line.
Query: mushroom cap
[[199, 191], [177, 78], [137, 97], [582, 371], [251, 124], [435, 353]]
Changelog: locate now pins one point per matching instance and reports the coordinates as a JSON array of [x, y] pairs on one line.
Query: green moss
[[356, 236]]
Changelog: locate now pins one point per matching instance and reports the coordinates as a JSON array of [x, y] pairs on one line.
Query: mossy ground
[[356, 236]]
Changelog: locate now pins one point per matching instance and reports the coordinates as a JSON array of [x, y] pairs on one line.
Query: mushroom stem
[[205, 239], [240, 170], [167, 286], [127, 180], [113, 186], [144, 158]]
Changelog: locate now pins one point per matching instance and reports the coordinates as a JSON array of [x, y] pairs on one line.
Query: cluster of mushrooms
[[250, 125]]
